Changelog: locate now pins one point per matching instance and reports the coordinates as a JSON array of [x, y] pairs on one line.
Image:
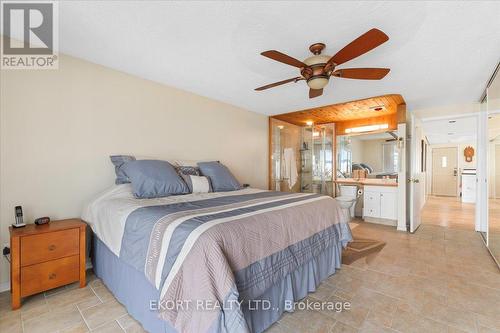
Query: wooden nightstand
[[45, 257]]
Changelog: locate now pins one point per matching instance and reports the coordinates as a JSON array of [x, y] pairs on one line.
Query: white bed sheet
[[108, 212]]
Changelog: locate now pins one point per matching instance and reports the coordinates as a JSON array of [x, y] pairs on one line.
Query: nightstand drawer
[[48, 246], [48, 275]]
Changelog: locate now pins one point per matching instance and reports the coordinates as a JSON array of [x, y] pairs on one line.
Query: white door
[[417, 177], [444, 171]]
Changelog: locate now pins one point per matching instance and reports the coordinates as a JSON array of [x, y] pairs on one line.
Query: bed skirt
[[134, 291]]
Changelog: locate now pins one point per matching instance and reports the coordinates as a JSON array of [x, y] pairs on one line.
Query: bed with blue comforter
[[214, 262]]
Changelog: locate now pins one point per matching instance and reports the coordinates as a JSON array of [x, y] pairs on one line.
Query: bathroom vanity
[[378, 201], [380, 204]]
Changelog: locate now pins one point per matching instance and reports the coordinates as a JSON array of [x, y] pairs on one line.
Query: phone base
[[18, 225]]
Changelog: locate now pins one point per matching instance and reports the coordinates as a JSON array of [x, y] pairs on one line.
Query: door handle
[[455, 172]]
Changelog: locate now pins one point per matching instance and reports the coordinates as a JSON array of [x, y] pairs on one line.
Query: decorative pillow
[[221, 178], [154, 179], [197, 184], [188, 170], [118, 161]]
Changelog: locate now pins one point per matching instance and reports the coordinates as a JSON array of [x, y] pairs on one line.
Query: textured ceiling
[[451, 130], [439, 52]]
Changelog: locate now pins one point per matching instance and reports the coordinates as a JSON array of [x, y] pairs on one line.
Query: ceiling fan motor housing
[[316, 77]]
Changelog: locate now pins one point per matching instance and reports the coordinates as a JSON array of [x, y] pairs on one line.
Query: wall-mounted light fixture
[[368, 128], [309, 123]]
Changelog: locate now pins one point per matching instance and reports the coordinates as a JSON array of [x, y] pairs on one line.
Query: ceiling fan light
[[317, 59], [317, 82]]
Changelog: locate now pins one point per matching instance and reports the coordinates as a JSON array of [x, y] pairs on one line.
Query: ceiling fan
[[317, 69]]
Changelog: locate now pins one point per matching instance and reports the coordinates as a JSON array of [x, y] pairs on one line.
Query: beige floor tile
[[482, 329], [97, 315], [34, 306], [410, 322], [11, 324], [380, 318], [343, 328], [80, 327], [307, 321], [111, 327], [277, 328], [355, 316], [6, 311], [489, 322], [70, 296], [130, 325], [459, 318], [374, 301], [103, 293], [370, 327], [323, 292], [88, 302], [55, 320]]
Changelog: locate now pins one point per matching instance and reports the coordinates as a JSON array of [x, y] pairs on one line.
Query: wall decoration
[[468, 153]]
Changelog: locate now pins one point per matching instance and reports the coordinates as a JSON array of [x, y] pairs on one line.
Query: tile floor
[[438, 280]]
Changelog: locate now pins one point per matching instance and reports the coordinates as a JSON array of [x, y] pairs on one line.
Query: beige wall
[[59, 126]]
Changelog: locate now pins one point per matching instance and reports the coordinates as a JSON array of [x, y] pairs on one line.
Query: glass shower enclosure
[[302, 157]]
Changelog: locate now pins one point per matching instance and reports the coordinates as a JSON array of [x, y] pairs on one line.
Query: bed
[[214, 262]]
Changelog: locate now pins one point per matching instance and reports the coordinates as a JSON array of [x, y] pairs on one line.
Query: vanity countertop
[[367, 181]]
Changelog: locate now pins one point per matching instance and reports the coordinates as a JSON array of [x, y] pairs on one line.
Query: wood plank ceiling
[[360, 109]]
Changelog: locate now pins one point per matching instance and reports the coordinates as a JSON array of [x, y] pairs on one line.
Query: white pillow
[[200, 184]]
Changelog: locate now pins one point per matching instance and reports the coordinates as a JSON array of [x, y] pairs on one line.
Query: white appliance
[[469, 185]]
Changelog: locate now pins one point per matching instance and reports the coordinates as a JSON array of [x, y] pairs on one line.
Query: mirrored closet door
[[492, 99]]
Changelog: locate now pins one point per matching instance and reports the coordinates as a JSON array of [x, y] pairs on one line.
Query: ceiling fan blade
[[362, 73], [281, 57], [364, 43], [315, 92], [267, 86]]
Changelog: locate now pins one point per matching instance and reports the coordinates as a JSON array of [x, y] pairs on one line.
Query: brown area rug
[[361, 248]]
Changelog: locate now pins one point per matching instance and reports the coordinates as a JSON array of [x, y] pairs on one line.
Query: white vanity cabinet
[[380, 204]]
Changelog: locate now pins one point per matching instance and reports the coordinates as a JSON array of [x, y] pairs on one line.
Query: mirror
[[494, 185], [371, 155], [493, 107]]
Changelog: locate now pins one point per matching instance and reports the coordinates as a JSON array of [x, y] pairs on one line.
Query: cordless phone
[[19, 218]]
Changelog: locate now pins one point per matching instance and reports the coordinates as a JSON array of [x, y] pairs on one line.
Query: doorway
[[451, 173]]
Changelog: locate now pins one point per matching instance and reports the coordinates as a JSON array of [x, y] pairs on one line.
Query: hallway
[[448, 212]]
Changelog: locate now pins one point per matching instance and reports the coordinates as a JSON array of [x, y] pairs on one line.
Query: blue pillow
[[118, 161], [154, 179], [221, 178]]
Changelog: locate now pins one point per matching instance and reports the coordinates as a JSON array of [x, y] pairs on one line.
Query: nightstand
[[45, 257]]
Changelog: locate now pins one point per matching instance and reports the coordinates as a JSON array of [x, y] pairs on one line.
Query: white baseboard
[[4, 286]]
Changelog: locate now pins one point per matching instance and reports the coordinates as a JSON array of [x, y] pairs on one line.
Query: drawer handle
[[52, 276], [52, 247]]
